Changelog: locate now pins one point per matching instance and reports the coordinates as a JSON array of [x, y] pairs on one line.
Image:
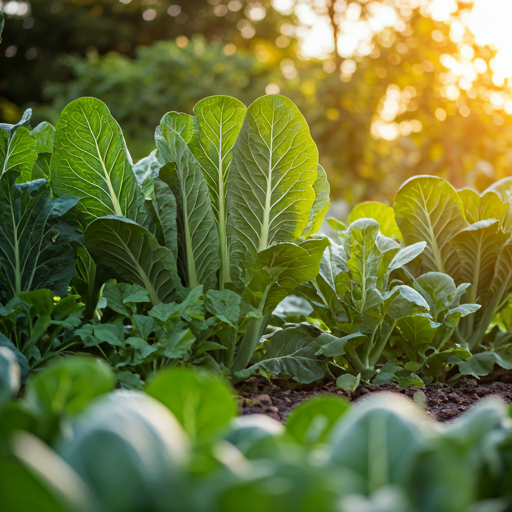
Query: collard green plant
[[38, 326], [468, 235], [358, 298], [227, 203], [35, 245]]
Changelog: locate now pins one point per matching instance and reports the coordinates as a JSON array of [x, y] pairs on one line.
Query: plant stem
[[249, 343]]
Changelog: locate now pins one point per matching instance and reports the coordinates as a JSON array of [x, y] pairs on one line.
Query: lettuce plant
[[468, 236], [227, 203]]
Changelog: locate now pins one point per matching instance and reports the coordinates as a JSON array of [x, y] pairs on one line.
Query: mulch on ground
[[276, 398]]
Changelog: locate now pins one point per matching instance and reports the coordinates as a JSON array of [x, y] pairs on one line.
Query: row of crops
[[205, 253], [202, 263]]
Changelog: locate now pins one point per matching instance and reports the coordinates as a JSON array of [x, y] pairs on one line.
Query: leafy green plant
[[40, 326], [467, 236], [140, 339], [364, 307], [227, 203]]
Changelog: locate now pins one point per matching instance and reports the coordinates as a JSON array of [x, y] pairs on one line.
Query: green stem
[[249, 343]]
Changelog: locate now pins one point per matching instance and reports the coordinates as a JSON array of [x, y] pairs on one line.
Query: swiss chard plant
[[468, 236], [228, 202]]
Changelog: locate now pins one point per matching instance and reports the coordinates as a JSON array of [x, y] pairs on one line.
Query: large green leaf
[[35, 249], [199, 240], [382, 213], [293, 352], [270, 189], [90, 161], [216, 124], [17, 148], [280, 269], [133, 255], [428, 209], [477, 249], [201, 402]]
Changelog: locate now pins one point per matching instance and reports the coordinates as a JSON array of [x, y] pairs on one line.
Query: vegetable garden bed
[[278, 397]]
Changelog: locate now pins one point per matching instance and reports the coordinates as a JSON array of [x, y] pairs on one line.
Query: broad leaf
[[35, 250], [382, 213], [90, 161], [428, 209], [199, 240], [292, 352], [133, 255], [217, 122], [17, 148], [270, 190]]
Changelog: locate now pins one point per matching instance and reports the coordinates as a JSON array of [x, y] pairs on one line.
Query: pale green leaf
[[270, 189], [90, 161], [428, 209], [380, 212]]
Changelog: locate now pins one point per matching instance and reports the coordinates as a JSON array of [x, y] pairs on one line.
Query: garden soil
[[277, 398]]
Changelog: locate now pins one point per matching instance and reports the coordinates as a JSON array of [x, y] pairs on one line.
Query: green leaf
[[379, 441], [292, 352], [146, 170], [133, 255], [336, 347], [44, 135], [90, 161], [131, 451], [17, 148], [116, 295], [321, 205], [38, 479], [34, 250], [201, 402], [382, 213], [225, 305], [348, 382], [477, 249], [166, 209], [428, 209], [311, 422], [217, 123], [270, 189], [280, 269], [199, 239], [112, 334], [68, 385]]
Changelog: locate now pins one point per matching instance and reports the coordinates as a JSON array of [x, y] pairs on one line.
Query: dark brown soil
[[441, 401]]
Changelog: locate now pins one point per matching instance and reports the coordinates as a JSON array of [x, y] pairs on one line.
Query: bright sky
[[490, 22]]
